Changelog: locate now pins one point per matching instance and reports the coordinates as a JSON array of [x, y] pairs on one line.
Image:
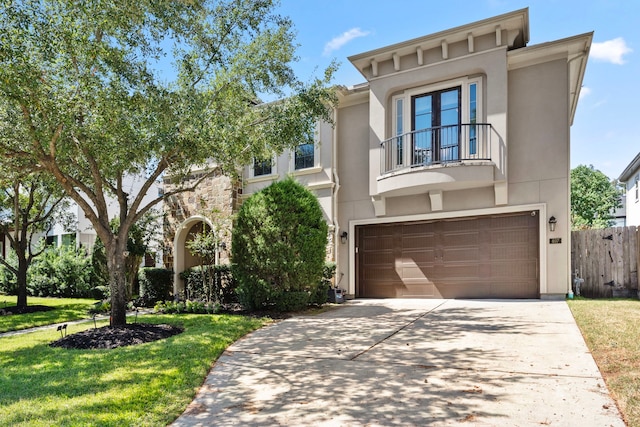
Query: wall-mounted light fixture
[[343, 237], [552, 223]]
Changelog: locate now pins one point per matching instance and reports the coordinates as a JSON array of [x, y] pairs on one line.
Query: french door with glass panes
[[435, 123]]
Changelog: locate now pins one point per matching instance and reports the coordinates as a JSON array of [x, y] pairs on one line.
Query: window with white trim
[[636, 186], [306, 156], [262, 167]]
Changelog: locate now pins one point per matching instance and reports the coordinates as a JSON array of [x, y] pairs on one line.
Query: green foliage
[[188, 306], [156, 284], [8, 283], [30, 205], [319, 297], [140, 385], [279, 245], [81, 98], [62, 272], [99, 274], [213, 285], [103, 306], [593, 198]]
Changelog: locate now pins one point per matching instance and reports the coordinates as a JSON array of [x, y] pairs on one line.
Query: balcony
[[444, 158]]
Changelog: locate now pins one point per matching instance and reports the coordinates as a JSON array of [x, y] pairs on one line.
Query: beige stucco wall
[[538, 155]]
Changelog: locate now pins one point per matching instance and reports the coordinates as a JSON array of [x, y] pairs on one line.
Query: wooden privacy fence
[[607, 259]]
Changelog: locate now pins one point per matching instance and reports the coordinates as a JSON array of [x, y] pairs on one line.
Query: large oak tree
[[107, 89], [594, 198]]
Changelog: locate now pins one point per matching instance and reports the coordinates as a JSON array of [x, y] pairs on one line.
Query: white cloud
[[337, 42], [611, 51], [584, 91]]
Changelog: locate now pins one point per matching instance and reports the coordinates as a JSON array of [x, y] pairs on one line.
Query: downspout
[[336, 188]]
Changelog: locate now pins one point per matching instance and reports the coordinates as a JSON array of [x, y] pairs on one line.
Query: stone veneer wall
[[216, 198]]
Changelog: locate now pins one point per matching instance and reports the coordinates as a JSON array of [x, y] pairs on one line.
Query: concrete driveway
[[410, 363]]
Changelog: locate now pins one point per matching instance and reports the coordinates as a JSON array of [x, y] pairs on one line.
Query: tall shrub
[[279, 245], [60, 272]]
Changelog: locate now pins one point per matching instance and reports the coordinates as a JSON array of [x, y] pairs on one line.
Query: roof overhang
[[630, 169], [516, 25]]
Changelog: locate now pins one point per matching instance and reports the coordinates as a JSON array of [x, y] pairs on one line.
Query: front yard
[[145, 385], [63, 310], [611, 329]]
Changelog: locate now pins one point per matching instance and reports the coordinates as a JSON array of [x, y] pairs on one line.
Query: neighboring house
[[446, 174], [84, 235], [630, 178]]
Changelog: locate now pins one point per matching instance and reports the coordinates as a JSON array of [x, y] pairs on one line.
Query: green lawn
[[144, 385], [611, 329], [65, 310]]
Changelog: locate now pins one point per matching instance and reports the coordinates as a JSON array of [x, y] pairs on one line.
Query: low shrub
[[319, 297], [8, 281], [177, 307], [156, 285], [292, 301], [101, 307]]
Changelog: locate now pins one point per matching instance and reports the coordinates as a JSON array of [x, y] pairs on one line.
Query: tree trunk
[[117, 284], [21, 280]]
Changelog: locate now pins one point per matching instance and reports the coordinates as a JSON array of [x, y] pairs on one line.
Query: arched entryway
[[182, 256]]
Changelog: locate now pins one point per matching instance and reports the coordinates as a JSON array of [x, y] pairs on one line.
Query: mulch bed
[[108, 337]]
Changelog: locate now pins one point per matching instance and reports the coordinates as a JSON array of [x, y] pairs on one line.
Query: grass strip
[[611, 329], [144, 385]]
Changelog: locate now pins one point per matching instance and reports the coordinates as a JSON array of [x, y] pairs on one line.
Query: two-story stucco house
[[446, 174], [630, 178]]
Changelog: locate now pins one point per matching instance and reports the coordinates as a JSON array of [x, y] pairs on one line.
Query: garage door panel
[[510, 237], [513, 289], [470, 254], [514, 270], [372, 259], [510, 253], [381, 274], [420, 242], [428, 256], [424, 273], [378, 243], [418, 289], [483, 257], [461, 239]]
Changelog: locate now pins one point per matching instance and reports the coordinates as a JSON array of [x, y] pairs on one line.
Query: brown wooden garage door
[[481, 257]]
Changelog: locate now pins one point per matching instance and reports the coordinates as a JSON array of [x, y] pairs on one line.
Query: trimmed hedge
[[223, 289], [279, 246], [156, 285]]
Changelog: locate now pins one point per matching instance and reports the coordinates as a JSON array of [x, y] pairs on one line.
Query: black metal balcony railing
[[443, 144]]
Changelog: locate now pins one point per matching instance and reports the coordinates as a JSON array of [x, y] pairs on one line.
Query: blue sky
[[603, 130]]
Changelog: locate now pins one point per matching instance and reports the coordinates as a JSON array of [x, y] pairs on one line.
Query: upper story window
[[636, 186], [304, 156], [436, 124], [262, 167]]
